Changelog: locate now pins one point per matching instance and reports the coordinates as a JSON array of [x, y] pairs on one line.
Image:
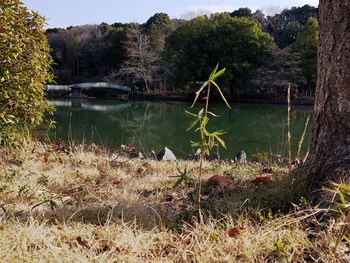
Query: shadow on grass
[[241, 196], [282, 195]]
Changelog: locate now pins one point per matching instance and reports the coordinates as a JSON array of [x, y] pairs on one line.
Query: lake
[[153, 125]]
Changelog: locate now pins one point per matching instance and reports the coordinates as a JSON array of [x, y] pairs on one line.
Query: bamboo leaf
[[193, 123], [213, 114], [221, 72], [213, 72], [211, 142], [342, 199], [206, 132], [343, 186], [222, 95], [205, 121], [178, 182], [198, 129], [221, 141], [199, 92], [347, 238], [218, 133], [191, 114], [195, 144]]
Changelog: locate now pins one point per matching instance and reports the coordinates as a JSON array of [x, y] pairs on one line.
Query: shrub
[[24, 68]]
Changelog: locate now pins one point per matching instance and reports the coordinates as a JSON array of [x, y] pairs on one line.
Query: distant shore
[[307, 101], [241, 99]]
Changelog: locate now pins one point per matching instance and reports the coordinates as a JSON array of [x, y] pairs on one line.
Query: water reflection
[[152, 125]]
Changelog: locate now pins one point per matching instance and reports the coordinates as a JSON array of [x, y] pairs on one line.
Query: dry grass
[[88, 205]]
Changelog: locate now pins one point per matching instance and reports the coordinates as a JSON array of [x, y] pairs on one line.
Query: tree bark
[[329, 157]]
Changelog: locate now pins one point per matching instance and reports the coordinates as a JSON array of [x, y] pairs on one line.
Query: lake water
[[153, 125]]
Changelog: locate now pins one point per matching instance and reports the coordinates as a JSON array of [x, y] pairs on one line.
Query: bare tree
[[142, 62]]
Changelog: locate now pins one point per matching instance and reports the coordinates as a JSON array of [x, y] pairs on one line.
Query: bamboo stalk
[[199, 201]]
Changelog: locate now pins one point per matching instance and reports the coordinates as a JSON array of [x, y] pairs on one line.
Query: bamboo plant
[[207, 140]]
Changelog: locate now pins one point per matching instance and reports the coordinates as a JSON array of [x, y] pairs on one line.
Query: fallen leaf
[[234, 231], [263, 180], [219, 180], [116, 182]]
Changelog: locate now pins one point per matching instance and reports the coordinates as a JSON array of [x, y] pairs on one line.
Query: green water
[[153, 125]]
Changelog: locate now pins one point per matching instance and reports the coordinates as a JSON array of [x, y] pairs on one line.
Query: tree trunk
[[329, 157]]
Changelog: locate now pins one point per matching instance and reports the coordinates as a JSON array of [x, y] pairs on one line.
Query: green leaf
[[199, 92], [347, 239], [342, 199], [343, 187], [206, 132], [221, 141], [178, 182], [195, 144], [205, 121], [222, 95], [213, 72], [218, 133], [211, 142], [193, 123], [191, 114], [221, 72]]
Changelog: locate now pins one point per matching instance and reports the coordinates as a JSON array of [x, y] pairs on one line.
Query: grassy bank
[[85, 204]]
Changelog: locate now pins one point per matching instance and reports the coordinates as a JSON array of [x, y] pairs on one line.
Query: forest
[[262, 54]]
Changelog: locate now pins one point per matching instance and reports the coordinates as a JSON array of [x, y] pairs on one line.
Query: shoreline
[[302, 101]]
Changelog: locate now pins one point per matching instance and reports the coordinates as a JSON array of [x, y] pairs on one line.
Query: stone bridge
[[75, 90]]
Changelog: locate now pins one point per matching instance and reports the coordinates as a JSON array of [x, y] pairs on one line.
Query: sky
[[64, 13]]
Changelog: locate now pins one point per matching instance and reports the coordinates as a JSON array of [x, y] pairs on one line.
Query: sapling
[[207, 140]]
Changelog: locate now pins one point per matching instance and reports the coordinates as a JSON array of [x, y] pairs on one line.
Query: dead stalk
[[301, 140], [289, 133]]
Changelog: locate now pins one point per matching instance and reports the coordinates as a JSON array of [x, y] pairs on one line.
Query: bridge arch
[[76, 90]]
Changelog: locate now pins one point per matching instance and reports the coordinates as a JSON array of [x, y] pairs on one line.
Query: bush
[[24, 68]]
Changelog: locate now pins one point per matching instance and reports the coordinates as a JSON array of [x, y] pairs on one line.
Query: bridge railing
[[88, 85]]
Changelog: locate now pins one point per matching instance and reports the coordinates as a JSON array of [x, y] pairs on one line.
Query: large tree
[[24, 68], [329, 157], [236, 43]]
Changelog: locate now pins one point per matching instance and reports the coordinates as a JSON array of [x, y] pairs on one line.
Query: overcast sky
[[64, 13]]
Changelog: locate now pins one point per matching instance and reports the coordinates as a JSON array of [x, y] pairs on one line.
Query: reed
[[289, 132], [302, 138]]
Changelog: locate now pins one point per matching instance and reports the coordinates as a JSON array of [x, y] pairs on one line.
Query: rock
[[218, 180], [241, 157], [166, 155]]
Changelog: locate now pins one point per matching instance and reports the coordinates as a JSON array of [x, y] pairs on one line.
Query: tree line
[[262, 54]]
